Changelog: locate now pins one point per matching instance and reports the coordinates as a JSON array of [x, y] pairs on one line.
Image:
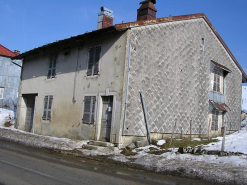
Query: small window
[[216, 86], [89, 109], [1, 92], [52, 67], [215, 115], [93, 61], [47, 108]]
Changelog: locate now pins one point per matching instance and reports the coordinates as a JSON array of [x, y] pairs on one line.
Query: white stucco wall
[[67, 116]]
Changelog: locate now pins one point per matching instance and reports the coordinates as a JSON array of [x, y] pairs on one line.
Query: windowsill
[[46, 121], [50, 79], [94, 76], [217, 92]]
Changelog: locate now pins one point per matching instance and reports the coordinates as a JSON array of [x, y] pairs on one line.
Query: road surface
[[21, 165]]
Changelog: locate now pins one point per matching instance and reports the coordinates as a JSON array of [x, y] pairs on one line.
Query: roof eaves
[[244, 76], [71, 39], [179, 18]]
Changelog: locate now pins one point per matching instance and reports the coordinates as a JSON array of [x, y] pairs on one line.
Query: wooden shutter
[[90, 62], [96, 60], [45, 108], [50, 100], [87, 108]]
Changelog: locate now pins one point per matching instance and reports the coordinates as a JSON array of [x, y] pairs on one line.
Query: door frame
[[99, 113], [22, 109]]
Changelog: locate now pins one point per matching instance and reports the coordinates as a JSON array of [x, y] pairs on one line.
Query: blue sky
[[26, 24]]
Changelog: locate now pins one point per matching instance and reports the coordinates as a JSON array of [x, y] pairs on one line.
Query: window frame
[[89, 110], [1, 92], [217, 81], [215, 120], [94, 73], [51, 67], [47, 109]]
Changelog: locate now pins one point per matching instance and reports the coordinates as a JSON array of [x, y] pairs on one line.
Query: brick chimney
[[147, 10], [105, 18], [16, 52]]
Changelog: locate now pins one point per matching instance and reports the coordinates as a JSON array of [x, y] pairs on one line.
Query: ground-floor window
[[89, 109], [47, 107], [1, 92], [215, 115]]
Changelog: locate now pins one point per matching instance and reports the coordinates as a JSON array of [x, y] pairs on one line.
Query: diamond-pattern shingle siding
[[169, 67]]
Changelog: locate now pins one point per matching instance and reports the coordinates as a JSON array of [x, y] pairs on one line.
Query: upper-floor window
[[47, 107], [1, 92], [218, 81], [52, 70], [93, 61]]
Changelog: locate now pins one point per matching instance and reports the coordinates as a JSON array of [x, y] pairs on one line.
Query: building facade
[[88, 86], [10, 72]]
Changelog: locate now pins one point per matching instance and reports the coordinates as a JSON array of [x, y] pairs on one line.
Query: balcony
[[216, 97]]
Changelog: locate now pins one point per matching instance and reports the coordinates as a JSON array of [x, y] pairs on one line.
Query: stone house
[[90, 86], [10, 72]]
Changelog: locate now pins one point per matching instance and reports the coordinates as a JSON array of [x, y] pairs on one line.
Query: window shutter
[[93, 100], [90, 62], [97, 58], [45, 108], [87, 106]]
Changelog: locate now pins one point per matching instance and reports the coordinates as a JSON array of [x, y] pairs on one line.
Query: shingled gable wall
[[167, 66]]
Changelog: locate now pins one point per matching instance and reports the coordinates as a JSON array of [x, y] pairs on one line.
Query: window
[[52, 67], [47, 108], [93, 61], [216, 86], [89, 109], [215, 115], [1, 92]]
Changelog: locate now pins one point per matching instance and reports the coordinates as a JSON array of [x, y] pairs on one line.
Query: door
[[107, 103], [30, 103]]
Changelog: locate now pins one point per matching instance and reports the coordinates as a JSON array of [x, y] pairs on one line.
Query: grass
[[128, 152], [7, 124], [185, 142]]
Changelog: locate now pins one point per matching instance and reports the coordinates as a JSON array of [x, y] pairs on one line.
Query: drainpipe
[[146, 118], [127, 86]]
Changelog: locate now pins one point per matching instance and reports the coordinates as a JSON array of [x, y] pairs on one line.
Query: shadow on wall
[[37, 64]]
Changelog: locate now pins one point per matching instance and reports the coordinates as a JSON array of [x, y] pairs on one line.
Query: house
[[244, 98], [10, 72], [90, 86]]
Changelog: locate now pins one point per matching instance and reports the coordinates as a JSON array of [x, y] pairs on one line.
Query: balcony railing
[[216, 97]]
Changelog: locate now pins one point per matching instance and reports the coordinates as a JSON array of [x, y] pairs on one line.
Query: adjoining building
[[10, 71], [244, 98], [94, 86]]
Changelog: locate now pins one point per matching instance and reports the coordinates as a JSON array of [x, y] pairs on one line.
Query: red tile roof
[[6, 52]]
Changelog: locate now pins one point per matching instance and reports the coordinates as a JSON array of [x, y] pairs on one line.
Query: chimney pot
[[147, 11], [105, 18]]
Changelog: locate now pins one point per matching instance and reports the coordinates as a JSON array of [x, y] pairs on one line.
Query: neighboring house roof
[[6, 52], [130, 25]]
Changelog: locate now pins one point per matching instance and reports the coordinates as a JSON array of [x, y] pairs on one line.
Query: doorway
[[106, 119], [30, 104]]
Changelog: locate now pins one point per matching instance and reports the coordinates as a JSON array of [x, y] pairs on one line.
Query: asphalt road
[[21, 165]]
